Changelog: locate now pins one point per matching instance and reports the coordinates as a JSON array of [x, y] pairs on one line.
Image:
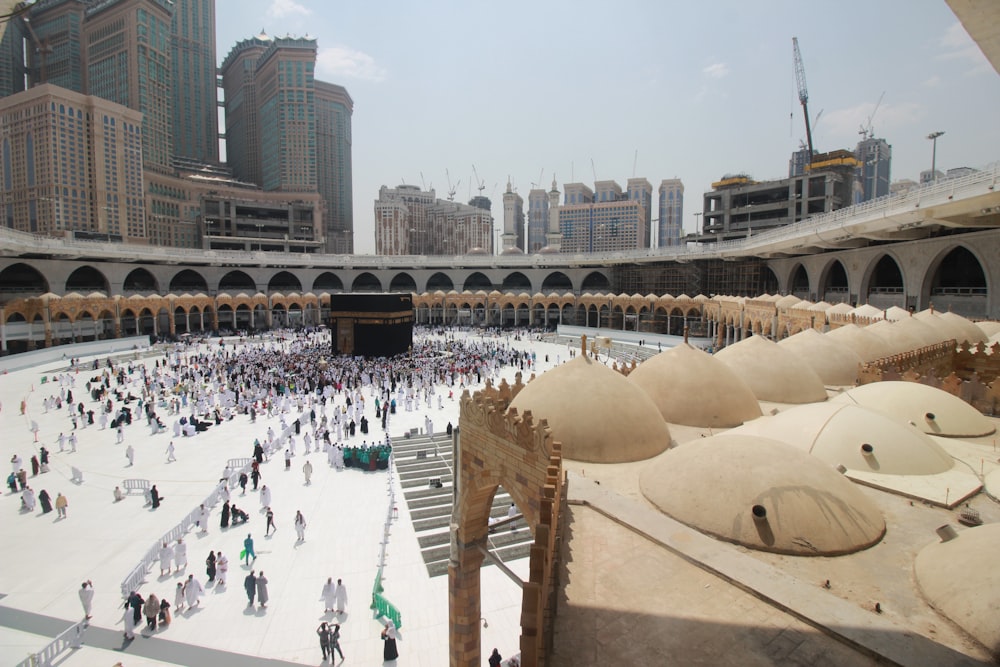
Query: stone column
[[464, 610]]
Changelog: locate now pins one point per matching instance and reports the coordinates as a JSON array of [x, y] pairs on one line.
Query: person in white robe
[[265, 497], [179, 597], [193, 590], [28, 498], [180, 555], [166, 556], [340, 593], [87, 597], [329, 595]]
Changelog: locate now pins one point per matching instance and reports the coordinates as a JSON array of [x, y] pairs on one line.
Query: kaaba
[[371, 325]]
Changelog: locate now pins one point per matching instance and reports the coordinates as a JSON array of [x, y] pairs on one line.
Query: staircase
[[420, 459]]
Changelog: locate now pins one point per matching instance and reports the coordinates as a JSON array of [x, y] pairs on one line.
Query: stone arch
[[87, 279], [328, 282], [284, 281], [501, 448], [477, 280], [833, 283], [188, 280], [140, 280], [403, 282], [237, 281], [595, 282], [798, 283], [768, 281], [366, 282], [516, 282], [557, 281], [883, 285], [439, 281], [956, 279], [21, 277]]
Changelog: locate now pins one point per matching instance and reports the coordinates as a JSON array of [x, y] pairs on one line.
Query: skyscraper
[[287, 131], [334, 107], [538, 219], [128, 59], [513, 222], [875, 156], [409, 221], [195, 120], [606, 218], [670, 226]]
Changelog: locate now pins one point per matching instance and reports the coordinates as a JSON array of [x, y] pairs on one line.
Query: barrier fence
[[137, 576], [71, 637], [381, 604]]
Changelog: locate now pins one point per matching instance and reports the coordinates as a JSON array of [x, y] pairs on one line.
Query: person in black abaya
[[46, 501], [155, 496]]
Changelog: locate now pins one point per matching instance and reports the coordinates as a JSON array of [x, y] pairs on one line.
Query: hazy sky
[[689, 90]]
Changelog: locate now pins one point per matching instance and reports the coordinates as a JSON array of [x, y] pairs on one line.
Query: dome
[[595, 412], [868, 346], [960, 579], [931, 410], [840, 309], [896, 337], [868, 311], [478, 250], [786, 301], [512, 251], [835, 363], [764, 495], [686, 384], [820, 306], [989, 328], [963, 329], [837, 433], [895, 313], [548, 250], [772, 372], [922, 331]]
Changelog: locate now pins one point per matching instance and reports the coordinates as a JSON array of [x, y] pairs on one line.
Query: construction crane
[[452, 189], [541, 175], [480, 183], [43, 49], [866, 131], [800, 82]]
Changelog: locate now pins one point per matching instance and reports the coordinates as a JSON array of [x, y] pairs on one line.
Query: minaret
[[511, 212], [553, 237]]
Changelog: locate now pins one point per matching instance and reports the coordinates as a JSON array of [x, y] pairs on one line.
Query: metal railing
[[137, 576], [71, 637], [380, 603]]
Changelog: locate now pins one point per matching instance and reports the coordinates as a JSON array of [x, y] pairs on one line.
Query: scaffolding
[[746, 277]]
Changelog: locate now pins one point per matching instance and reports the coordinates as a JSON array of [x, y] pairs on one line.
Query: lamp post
[[933, 136]]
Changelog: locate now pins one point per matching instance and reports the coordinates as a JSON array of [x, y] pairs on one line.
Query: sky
[[582, 90]]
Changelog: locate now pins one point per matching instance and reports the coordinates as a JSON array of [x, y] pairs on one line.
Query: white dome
[[960, 579], [840, 434], [685, 383], [772, 372], [596, 414], [835, 363], [762, 494], [931, 410]]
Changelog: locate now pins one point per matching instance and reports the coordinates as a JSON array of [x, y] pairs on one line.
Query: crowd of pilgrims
[[295, 372]]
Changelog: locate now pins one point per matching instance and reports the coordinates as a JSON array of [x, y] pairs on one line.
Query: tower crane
[[452, 189], [866, 131], [480, 183], [800, 82]]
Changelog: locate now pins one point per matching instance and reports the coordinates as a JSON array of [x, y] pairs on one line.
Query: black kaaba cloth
[[371, 324]]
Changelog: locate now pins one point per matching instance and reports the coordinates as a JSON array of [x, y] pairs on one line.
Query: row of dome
[[780, 483]]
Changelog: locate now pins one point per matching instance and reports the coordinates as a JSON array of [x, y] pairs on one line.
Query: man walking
[[250, 586], [170, 452], [248, 552]]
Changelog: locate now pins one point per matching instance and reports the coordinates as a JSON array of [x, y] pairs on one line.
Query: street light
[[933, 136]]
